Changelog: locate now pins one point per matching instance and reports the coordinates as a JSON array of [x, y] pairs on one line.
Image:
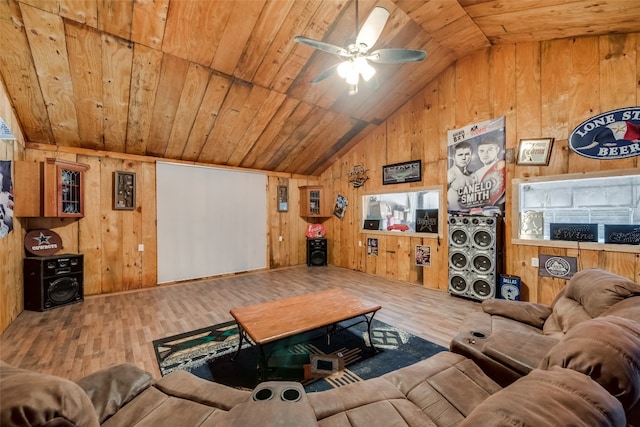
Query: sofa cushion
[[588, 294], [608, 350], [440, 390], [199, 403], [566, 314], [597, 290], [558, 397], [34, 399], [628, 308], [111, 388]]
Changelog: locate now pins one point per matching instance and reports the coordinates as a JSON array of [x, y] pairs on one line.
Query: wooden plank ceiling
[[223, 82]]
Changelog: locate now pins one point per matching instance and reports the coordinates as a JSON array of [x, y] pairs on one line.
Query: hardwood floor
[[78, 339]]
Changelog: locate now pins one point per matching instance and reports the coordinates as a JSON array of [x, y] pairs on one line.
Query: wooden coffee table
[[271, 321]]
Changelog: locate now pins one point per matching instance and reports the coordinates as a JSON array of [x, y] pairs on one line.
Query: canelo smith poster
[[476, 168]]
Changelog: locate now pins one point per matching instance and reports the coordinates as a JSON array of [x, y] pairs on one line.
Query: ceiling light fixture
[[356, 56]]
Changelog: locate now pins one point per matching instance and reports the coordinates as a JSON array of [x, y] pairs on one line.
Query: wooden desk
[[274, 320]]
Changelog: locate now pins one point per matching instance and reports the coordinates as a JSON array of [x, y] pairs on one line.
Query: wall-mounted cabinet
[[314, 202], [54, 188]]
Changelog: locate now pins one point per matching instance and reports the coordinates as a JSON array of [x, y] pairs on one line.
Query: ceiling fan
[[356, 56]]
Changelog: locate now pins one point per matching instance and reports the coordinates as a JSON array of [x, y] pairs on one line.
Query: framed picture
[[402, 172], [283, 198], [423, 256], [341, 206], [124, 190], [534, 152]]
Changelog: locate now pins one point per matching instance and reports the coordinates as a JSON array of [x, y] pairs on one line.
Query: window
[[402, 211], [611, 200]]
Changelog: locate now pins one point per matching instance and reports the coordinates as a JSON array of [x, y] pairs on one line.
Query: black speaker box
[[317, 253], [475, 255], [54, 281]]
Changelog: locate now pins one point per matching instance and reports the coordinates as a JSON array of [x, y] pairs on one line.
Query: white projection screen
[[210, 221]]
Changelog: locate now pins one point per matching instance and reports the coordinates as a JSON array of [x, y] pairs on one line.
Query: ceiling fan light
[[353, 76], [365, 69], [344, 68]]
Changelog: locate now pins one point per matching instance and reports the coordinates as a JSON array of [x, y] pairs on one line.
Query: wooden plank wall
[[109, 238], [11, 246], [544, 89]]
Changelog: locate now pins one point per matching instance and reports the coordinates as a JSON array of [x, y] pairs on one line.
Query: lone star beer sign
[[611, 135], [42, 242]]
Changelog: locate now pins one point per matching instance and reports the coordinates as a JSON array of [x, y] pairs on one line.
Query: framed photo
[[283, 198], [534, 152], [124, 190], [402, 172]]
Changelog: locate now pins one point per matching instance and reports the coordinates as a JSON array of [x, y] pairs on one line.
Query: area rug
[[314, 359]]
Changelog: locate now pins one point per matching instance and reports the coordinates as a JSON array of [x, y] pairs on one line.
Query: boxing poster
[[476, 168], [6, 198]]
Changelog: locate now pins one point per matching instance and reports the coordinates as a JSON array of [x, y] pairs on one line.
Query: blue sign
[[5, 132], [611, 135]]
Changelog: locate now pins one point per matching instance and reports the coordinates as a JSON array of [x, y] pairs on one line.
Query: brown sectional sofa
[[508, 339], [590, 377]]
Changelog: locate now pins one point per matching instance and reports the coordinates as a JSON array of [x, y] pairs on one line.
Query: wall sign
[[574, 232], [532, 225], [563, 267], [611, 135], [42, 242], [532, 152], [426, 220], [622, 234], [402, 172]]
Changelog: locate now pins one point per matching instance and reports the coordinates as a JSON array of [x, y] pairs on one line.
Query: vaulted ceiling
[[222, 82]]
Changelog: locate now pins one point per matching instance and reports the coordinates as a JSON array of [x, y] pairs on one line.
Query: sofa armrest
[[520, 352], [531, 313], [112, 388], [30, 398], [558, 397]]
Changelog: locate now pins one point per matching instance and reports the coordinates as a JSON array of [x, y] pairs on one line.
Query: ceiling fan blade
[[326, 73], [396, 56], [326, 47], [372, 28]]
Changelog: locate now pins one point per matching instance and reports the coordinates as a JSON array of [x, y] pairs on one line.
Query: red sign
[[42, 242]]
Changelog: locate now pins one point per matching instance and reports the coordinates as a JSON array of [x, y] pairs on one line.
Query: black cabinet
[[316, 252]]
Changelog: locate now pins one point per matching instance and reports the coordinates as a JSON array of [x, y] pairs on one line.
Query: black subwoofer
[[53, 281], [316, 252]]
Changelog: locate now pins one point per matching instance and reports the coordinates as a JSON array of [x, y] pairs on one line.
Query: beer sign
[[611, 135]]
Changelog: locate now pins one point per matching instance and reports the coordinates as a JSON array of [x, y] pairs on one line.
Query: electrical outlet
[[360, 243], [534, 262], [140, 247], [280, 238]]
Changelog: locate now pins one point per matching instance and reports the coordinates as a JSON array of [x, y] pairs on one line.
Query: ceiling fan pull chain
[[356, 18]]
